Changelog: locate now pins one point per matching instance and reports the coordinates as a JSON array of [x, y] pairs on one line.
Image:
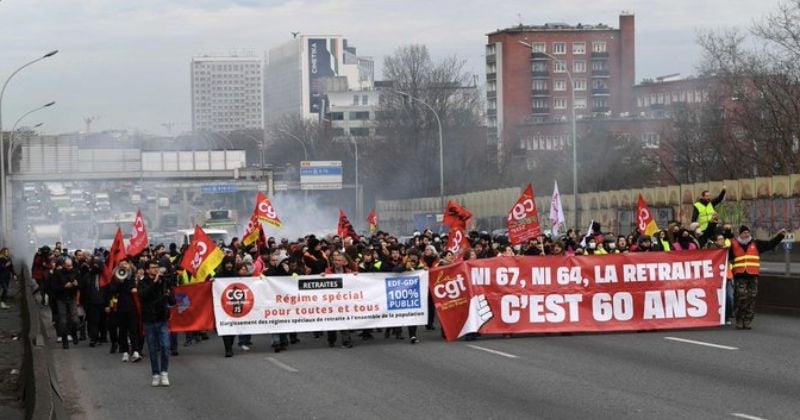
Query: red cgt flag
[[372, 220], [644, 219], [202, 256], [264, 210], [457, 242], [345, 228], [456, 216], [115, 256], [139, 239], [194, 310], [523, 219]]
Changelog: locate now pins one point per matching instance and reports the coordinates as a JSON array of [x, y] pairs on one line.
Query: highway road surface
[[711, 373]]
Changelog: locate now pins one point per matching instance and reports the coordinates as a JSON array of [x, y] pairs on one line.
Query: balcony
[[600, 54], [600, 109], [599, 91], [491, 58], [601, 73], [540, 92], [538, 56], [491, 112], [491, 76], [491, 94], [541, 111], [540, 74]]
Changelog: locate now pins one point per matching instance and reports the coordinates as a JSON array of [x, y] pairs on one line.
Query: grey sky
[[128, 61]]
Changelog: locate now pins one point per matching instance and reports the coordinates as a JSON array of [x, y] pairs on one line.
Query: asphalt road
[[647, 375], [780, 267]]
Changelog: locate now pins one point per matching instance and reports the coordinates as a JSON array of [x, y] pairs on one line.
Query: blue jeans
[[729, 304], [157, 335]]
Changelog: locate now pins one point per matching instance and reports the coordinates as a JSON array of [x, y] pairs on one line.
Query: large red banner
[[622, 292], [194, 310]]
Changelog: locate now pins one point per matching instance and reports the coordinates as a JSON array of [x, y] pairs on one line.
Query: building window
[[579, 67], [599, 66], [602, 84], [539, 47], [359, 116], [359, 131], [599, 46], [337, 116], [492, 86], [580, 103], [539, 66], [559, 84], [355, 99], [650, 140], [338, 132], [540, 103], [559, 48], [578, 48], [580, 84], [600, 104], [491, 68], [560, 103], [539, 84], [559, 66], [364, 100], [491, 104]]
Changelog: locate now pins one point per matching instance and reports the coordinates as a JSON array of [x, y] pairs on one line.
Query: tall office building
[[298, 73], [226, 92]]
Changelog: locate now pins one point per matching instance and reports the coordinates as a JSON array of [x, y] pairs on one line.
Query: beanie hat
[[743, 229]]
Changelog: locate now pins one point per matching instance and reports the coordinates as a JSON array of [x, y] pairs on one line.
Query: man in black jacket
[[155, 297], [65, 290], [92, 300]]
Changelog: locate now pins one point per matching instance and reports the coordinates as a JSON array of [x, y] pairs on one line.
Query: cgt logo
[[449, 288], [237, 300]]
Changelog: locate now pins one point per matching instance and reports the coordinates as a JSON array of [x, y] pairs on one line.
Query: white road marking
[[701, 343], [281, 365], [497, 352], [747, 416]]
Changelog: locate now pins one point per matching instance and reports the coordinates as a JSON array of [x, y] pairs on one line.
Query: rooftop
[[555, 27]]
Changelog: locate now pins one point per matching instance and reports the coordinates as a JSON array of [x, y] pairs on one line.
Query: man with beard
[[704, 208], [65, 291], [745, 256]]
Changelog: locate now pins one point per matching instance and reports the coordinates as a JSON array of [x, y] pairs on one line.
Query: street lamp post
[[14, 131], [358, 205], [574, 130], [441, 144], [4, 216]]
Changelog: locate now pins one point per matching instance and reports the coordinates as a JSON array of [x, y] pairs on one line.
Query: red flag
[[264, 210], [115, 256], [457, 242], [523, 219], [455, 215], [193, 310], [139, 239], [202, 256], [345, 228], [644, 219], [372, 220]]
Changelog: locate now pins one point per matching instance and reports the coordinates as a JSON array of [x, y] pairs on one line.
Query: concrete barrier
[[41, 396], [779, 294]]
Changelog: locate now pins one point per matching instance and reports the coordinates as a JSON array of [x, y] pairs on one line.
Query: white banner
[[269, 305]]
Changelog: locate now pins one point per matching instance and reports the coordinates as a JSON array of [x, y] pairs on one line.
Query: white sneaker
[[164, 379], [4, 306], [58, 339], [125, 357], [69, 338], [136, 357], [156, 380], [244, 347]]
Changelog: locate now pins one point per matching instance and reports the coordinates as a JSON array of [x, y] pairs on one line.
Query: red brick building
[[528, 69]]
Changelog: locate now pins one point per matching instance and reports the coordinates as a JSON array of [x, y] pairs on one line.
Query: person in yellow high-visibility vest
[[745, 258], [703, 209]]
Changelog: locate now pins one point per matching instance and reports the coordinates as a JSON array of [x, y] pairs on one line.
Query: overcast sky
[[127, 61]]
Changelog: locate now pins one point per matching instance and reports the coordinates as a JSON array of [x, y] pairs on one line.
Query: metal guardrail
[[42, 399]]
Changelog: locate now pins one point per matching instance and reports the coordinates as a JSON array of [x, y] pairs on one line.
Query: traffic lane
[[705, 380]]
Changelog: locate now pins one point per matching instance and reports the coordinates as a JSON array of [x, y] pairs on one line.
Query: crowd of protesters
[[133, 308]]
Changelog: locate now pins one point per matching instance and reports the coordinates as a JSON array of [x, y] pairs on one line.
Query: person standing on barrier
[[6, 274], [745, 256], [156, 297], [65, 290]]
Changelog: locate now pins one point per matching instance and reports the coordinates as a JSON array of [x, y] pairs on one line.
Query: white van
[[185, 236]]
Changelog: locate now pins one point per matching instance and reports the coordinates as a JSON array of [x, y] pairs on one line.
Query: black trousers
[[95, 322], [128, 325]]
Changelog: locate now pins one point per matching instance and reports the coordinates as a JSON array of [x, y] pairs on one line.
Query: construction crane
[[88, 121]]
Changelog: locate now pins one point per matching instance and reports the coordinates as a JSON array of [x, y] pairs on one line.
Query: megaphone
[[121, 274]]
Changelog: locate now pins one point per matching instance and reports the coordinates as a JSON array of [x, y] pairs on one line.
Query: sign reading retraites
[[272, 305], [321, 175]]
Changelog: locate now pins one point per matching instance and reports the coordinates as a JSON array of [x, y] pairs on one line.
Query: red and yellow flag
[[645, 222], [265, 212], [523, 218], [372, 220], [202, 256], [139, 239], [253, 230], [115, 256]]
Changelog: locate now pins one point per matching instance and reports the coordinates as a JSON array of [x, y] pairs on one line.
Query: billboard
[[320, 66]]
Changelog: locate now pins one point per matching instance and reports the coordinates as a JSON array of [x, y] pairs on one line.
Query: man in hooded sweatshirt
[[745, 257]]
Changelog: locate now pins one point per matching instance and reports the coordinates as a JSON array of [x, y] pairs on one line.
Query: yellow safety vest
[[704, 214], [665, 245]]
